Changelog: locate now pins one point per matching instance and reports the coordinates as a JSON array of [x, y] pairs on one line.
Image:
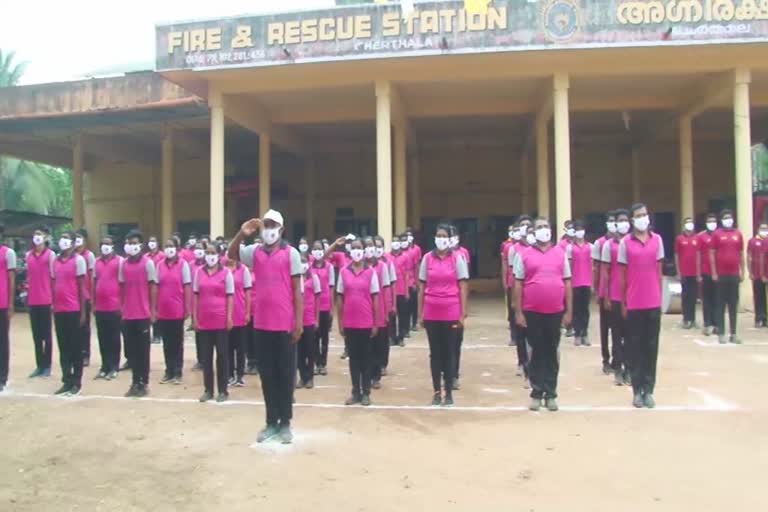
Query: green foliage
[[760, 168], [10, 72]]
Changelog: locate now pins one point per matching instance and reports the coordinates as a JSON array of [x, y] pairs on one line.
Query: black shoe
[[365, 401], [627, 378], [344, 355], [317, 370], [102, 375], [222, 397], [585, 341], [167, 379], [141, 391], [323, 371], [648, 401], [569, 333], [112, 375], [240, 382], [131, 391], [232, 380], [401, 343], [63, 389], [197, 367], [638, 401], [309, 384], [448, 401], [38, 372], [607, 370], [407, 335], [206, 396], [618, 379], [74, 391], [46, 372], [299, 384], [436, 398]]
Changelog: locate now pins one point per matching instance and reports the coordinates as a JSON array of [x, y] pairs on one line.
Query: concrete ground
[[704, 448]]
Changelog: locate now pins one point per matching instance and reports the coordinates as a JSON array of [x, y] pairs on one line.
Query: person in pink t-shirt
[[389, 301], [39, 299], [726, 258], [380, 342], [81, 248], [708, 290], [326, 272], [7, 296], [155, 253], [339, 258], [543, 274], [524, 224], [213, 287], [404, 269], [68, 272], [357, 302], [443, 305], [756, 249], [688, 265], [640, 255], [138, 291], [415, 254], [598, 285], [106, 307], [505, 248], [278, 314], [307, 346], [174, 301], [579, 253], [241, 321]]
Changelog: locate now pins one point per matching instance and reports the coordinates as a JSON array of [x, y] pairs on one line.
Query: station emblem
[[560, 19]]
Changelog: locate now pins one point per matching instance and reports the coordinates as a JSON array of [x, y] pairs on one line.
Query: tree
[[10, 71]]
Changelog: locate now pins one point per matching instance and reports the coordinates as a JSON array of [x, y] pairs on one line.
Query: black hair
[[610, 213], [43, 229], [445, 227], [635, 207], [541, 217], [621, 211], [687, 218], [174, 240], [578, 224], [134, 233], [82, 232], [524, 218], [725, 212], [108, 237], [193, 235], [712, 215], [68, 233]]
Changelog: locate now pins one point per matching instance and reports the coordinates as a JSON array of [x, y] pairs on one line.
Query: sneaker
[[63, 390], [2, 388], [222, 397], [648, 401], [197, 367], [618, 379], [74, 391], [365, 401], [376, 384], [309, 384], [131, 391], [735, 339], [607, 369], [686, 326], [407, 335], [46, 373], [100, 376], [344, 355], [456, 384], [232, 381], [627, 378], [206, 397], [286, 436], [323, 371], [268, 433], [401, 343], [240, 382], [436, 399], [535, 404], [176, 381], [352, 400], [37, 372], [585, 341], [552, 405], [142, 391], [166, 379], [317, 370], [722, 340], [576, 341], [569, 333], [527, 384], [706, 331], [638, 401], [448, 401]]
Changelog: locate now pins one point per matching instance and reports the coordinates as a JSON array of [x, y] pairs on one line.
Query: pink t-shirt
[[107, 288], [327, 275], [66, 275], [312, 290], [340, 259], [581, 263], [156, 257], [641, 262], [382, 274], [243, 284], [187, 255], [7, 265], [402, 268], [136, 276], [506, 246], [755, 248], [543, 274], [357, 291], [272, 274], [389, 303], [441, 276], [172, 276], [90, 262], [39, 277], [411, 263], [610, 257], [212, 291], [729, 251], [705, 244], [687, 250], [597, 256]]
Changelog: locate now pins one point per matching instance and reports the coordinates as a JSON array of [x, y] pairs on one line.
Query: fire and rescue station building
[[364, 119]]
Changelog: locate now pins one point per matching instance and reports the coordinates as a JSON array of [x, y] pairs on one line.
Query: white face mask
[[38, 239], [580, 233], [78, 242], [356, 255], [132, 249], [348, 247], [395, 246], [152, 245], [611, 227], [688, 226], [303, 248], [511, 233], [543, 235], [642, 223], [379, 252], [763, 233], [516, 236], [622, 227], [199, 254], [318, 254], [404, 245], [410, 239], [106, 250], [271, 235], [570, 232], [442, 243], [370, 252], [211, 260], [728, 223], [65, 244], [530, 239], [711, 226], [523, 231], [170, 252]]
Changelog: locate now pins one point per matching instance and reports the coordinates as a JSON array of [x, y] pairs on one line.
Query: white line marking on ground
[[485, 374], [713, 404], [716, 343], [326, 386], [495, 390], [701, 374]]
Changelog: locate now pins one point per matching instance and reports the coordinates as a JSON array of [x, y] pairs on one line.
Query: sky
[[69, 39]]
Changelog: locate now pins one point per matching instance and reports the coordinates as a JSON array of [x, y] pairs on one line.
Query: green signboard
[[380, 30]]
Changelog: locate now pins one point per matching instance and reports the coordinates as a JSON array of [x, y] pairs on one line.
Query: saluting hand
[[249, 227], [340, 241]]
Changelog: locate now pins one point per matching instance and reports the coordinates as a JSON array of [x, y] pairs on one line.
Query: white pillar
[[562, 150], [686, 167], [542, 166], [742, 138], [400, 180], [309, 199], [217, 165], [166, 183], [384, 159]]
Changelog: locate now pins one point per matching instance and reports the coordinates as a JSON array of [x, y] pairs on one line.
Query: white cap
[[350, 237], [274, 216]]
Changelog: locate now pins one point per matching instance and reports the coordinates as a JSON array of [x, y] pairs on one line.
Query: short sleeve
[[80, 266], [392, 273], [660, 251], [247, 279], [296, 269], [462, 271], [331, 276], [186, 275], [246, 254], [511, 257], [567, 269], [340, 285], [120, 278], [605, 257], [519, 269], [91, 261], [51, 262], [10, 259], [151, 270], [229, 283], [195, 284], [316, 285], [423, 270], [596, 251], [621, 257], [385, 276], [374, 284]]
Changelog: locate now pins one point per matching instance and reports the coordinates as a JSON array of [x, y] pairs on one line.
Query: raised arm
[[247, 230]]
